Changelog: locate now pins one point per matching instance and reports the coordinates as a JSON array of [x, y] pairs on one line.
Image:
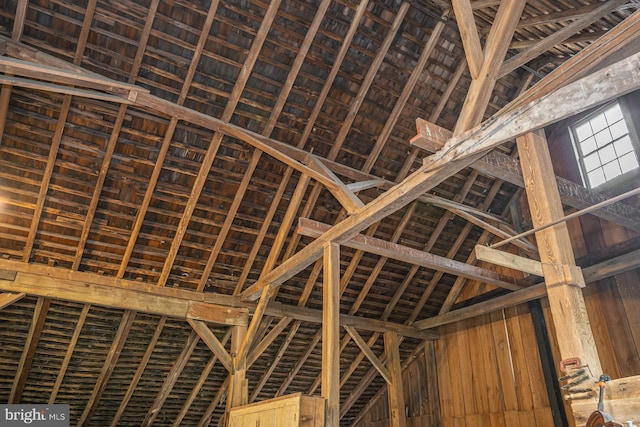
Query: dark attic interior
[[321, 212]]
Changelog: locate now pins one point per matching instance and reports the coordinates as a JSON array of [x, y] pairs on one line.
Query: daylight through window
[[604, 146]]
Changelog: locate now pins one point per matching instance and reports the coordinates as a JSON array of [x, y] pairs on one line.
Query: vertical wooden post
[[331, 333], [562, 278], [238, 394], [397, 417]]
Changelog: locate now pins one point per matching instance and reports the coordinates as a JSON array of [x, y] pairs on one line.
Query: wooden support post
[[238, 390], [574, 334], [331, 334], [397, 417]]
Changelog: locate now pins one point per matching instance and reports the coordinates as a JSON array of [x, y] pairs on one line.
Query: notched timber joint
[[567, 275]]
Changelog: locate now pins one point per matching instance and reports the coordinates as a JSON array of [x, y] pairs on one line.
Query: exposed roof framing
[[156, 159]]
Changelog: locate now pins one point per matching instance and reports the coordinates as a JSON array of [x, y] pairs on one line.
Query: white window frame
[[633, 136]]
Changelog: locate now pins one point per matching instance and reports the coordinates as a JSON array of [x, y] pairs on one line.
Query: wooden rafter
[[8, 298], [28, 354], [495, 49], [57, 137], [70, 349], [558, 36], [554, 17], [171, 379], [108, 367], [407, 90], [364, 346], [469, 35], [207, 161], [139, 371]]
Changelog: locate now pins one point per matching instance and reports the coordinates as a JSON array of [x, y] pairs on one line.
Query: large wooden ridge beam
[[461, 151]]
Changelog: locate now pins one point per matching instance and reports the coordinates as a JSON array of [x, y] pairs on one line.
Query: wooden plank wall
[[489, 372], [420, 390], [488, 368]]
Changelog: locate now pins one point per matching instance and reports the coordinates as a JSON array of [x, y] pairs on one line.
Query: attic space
[[362, 213]]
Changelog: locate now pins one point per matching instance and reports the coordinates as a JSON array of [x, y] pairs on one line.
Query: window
[[604, 145]]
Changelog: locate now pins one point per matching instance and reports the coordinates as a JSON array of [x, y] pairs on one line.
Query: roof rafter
[[469, 34], [558, 36], [461, 151]]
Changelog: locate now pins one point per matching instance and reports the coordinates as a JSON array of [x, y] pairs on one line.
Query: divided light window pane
[[604, 146]]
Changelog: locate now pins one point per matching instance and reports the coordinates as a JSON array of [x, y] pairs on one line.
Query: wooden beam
[[8, 298], [397, 416], [212, 342], [68, 90], [340, 191], [469, 35], [377, 363], [238, 388], [501, 166], [365, 185], [498, 303], [171, 379], [495, 49], [560, 35], [267, 340], [569, 314], [133, 383], [559, 16], [432, 137], [198, 301], [509, 260], [620, 264], [51, 74], [406, 254], [107, 368], [331, 334], [121, 298], [463, 150], [29, 351]]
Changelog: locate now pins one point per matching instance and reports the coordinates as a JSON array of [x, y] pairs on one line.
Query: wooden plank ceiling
[[156, 156]]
